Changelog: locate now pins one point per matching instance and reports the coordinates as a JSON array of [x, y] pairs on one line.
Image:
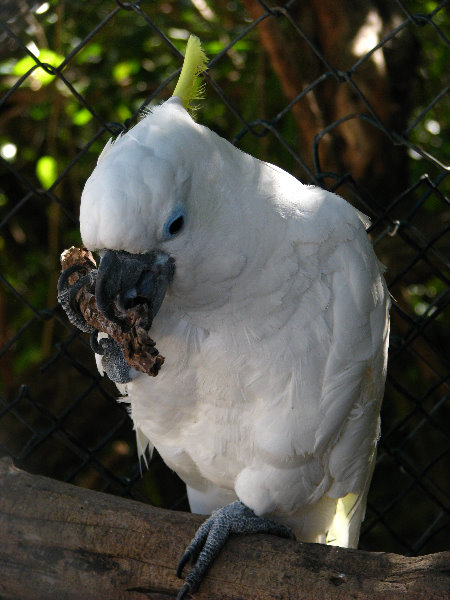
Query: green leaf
[[81, 117], [123, 70], [46, 171], [123, 112], [45, 56], [91, 53]]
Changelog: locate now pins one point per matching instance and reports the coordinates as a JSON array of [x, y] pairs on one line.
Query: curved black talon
[[64, 277], [67, 295], [186, 589], [187, 557], [86, 280]]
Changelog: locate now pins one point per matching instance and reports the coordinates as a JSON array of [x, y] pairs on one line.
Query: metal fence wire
[[350, 97]]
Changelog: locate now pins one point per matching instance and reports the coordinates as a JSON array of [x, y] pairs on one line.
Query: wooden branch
[[59, 541]]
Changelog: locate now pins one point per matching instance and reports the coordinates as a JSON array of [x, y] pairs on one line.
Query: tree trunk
[[62, 542], [358, 104]]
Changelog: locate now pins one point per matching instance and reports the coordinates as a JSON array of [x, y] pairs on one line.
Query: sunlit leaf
[[81, 117], [40, 75], [91, 53], [123, 112], [46, 171], [122, 71]]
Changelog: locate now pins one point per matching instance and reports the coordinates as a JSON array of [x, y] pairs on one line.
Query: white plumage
[[274, 328]]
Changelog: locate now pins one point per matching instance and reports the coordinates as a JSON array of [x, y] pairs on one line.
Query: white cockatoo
[[272, 313]]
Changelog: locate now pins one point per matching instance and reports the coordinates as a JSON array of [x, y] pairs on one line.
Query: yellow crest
[[188, 87]]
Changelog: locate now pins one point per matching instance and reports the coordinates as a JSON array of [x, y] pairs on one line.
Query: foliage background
[[108, 60]]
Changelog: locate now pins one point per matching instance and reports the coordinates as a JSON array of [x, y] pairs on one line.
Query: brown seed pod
[[132, 334]]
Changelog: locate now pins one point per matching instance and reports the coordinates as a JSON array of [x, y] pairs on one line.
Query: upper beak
[[125, 280]]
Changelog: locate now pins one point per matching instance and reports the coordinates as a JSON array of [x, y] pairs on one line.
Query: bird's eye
[[175, 224]]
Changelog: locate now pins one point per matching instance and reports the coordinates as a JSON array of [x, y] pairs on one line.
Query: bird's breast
[[196, 412]]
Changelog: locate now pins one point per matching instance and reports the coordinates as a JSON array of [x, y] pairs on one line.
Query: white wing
[[318, 429]]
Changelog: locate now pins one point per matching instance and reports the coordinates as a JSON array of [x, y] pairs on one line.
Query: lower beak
[[125, 280]]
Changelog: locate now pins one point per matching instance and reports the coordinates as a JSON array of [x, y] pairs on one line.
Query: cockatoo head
[[162, 205], [173, 206]]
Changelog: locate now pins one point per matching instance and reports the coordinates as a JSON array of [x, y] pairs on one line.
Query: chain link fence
[[353, 100]]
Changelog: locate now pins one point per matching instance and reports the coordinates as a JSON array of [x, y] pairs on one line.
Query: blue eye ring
[[175, 223]]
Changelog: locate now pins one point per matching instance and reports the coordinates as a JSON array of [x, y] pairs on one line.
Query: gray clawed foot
[[113, 361], [235, 518]]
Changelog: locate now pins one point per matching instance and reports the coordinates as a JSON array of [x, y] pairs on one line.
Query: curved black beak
[[125, 280]]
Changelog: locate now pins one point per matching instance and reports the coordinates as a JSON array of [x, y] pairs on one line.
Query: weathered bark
[[64, 542]]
